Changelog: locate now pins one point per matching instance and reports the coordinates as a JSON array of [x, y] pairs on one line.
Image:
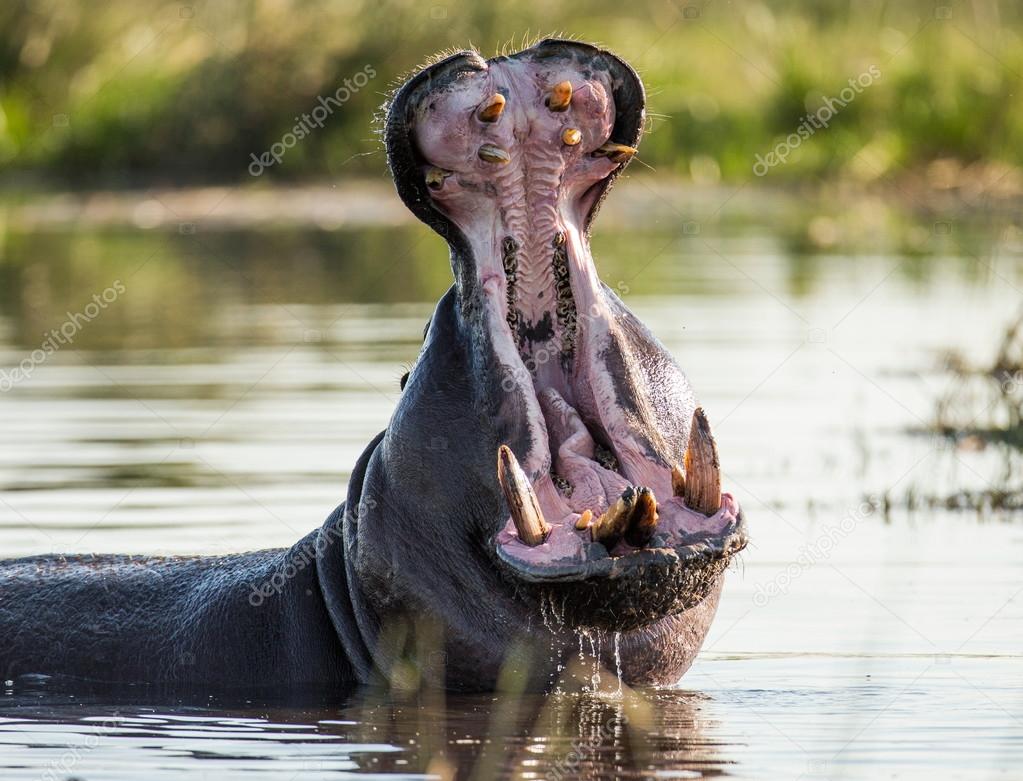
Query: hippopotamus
[[547, 483]]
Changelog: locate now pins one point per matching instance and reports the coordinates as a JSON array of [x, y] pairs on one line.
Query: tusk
[[571, 136], [560, 97], [493, 154], [435, 178], [492, 111], [619, 153], [522, 501], [703, 470], [643, 522], [610, 526]]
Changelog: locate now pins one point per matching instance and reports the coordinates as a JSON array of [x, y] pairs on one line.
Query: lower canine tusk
[[702, 490], [522, 502]]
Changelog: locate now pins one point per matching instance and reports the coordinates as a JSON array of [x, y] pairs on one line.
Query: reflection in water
[[983, 409], [188, 291], [191, 289], [98, 734], [752, 717]]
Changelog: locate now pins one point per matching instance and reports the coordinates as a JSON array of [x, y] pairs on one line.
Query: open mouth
[[610, 473]]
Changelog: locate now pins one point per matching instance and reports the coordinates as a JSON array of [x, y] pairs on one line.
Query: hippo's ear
[[626, 90], [402, 156]]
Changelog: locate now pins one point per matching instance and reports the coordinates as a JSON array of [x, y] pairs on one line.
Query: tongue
[[590, 486]]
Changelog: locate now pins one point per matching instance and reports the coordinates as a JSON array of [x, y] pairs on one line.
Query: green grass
[[127, 92]]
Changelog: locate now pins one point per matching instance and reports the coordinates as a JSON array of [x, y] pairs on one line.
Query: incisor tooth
[[522, 502], [435, 178], [618, 153], [493, 109], [493, 154], [702, 490], [643, 521], [609, 527], [584, 519], [571, 136], [560, 97]]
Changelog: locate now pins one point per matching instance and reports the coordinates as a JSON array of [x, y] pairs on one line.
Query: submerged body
[[546, 471]]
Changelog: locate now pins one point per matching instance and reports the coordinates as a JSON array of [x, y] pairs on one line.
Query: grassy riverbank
[[148, 91]]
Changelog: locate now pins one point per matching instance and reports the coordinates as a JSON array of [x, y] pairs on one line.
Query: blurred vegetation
[[226, 287], [121, 93], [985, 404], [982, 410]]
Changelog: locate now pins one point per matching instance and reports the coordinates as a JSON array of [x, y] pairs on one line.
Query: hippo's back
[[164, 620]]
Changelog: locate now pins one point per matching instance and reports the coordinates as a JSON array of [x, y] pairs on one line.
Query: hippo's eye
[[403, 380]]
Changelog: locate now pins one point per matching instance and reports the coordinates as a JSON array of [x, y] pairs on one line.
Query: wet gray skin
[[433, 564]]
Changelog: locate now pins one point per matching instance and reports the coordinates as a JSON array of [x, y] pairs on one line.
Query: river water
[[232, 376]]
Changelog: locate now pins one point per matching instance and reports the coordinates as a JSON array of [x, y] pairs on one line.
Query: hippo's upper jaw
[[613, 505]]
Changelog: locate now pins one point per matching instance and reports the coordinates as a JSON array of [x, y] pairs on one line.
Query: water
[[218, 402]]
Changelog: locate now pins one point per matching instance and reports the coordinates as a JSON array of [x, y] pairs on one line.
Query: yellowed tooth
[[619, 153], [584, 519], [678, 480], [435, 178], [702, 491], [493, 154], [609, 527], [643, 521], [571, 136], [492, 110], [560, 97], [525, 510]]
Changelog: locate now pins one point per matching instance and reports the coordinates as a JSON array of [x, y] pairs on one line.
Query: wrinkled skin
[[422, 570]]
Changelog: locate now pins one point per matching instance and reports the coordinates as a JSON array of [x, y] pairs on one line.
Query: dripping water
[[618, 662], [595, 648]]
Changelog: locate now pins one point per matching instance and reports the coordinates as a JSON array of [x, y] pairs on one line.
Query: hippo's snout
[[608, 469]]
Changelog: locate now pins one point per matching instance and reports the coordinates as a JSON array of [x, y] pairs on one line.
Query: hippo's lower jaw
[[593, 414], [615, 584], [616, 562]]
